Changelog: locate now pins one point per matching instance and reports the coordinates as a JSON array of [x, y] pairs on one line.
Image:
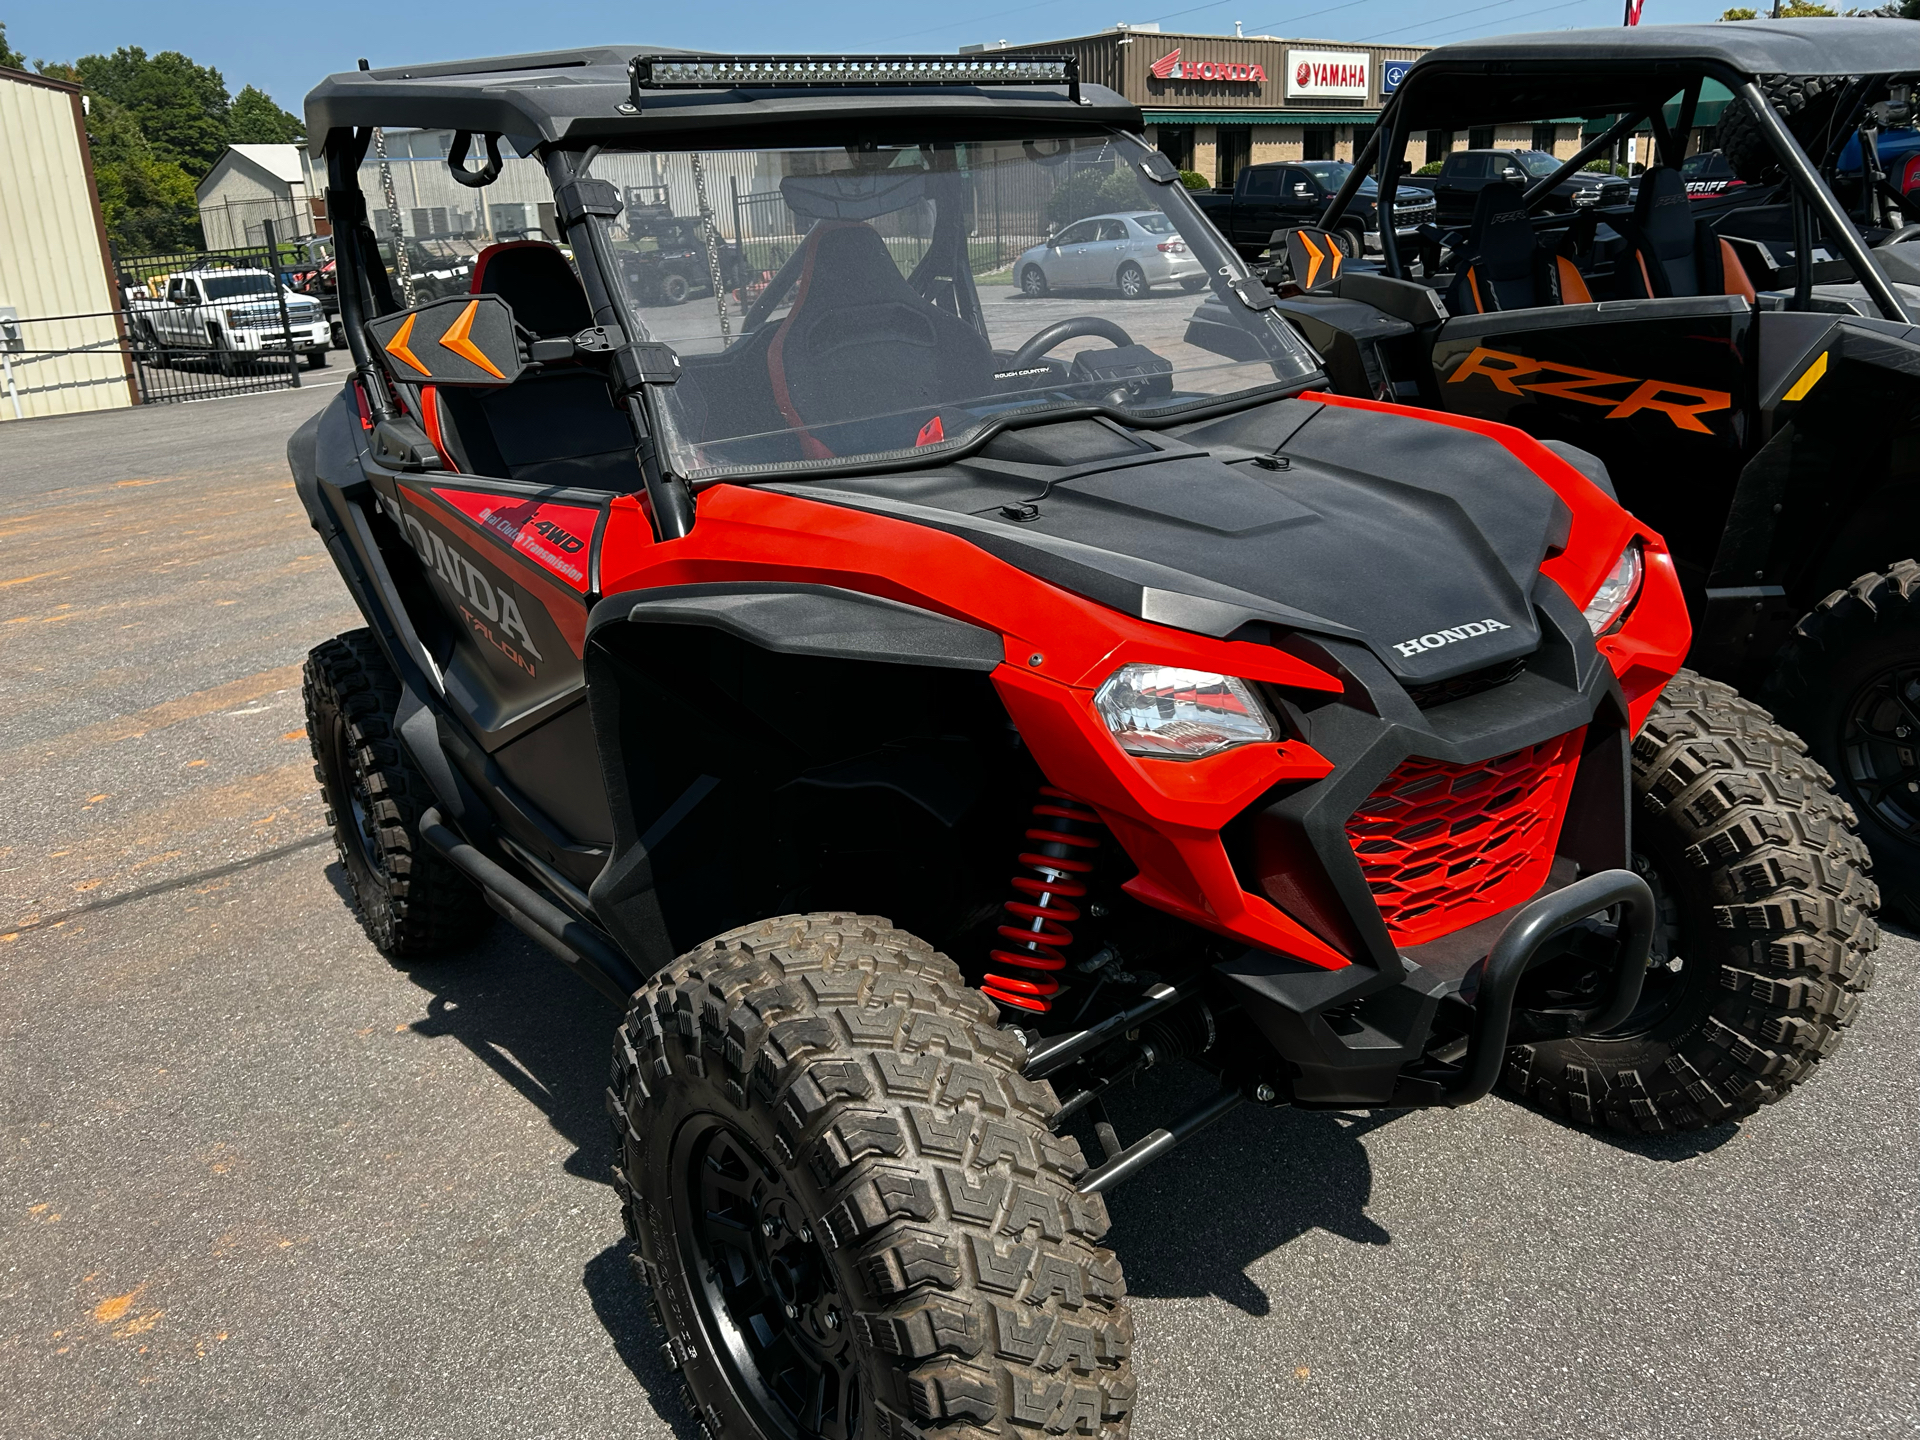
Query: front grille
[[1444, 845], [1445, 692]]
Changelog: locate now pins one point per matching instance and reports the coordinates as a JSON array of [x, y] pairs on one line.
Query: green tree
[[147, 203], [1792, 10], [180, 107], [255, 120], [10, 58]]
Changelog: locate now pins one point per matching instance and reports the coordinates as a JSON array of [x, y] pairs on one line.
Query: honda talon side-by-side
[[925, 705], [1744, 364]]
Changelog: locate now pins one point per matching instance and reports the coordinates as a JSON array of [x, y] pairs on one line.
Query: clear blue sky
[[285, 49]]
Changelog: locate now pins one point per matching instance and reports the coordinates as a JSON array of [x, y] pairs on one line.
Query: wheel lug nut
[[793, 1312], [1264, 1093], [806, 1234], [833, 1319], [769, 1228]]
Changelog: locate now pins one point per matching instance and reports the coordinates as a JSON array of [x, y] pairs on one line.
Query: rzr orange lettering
[[1582, 380], [1686, 416], [1495, 365]]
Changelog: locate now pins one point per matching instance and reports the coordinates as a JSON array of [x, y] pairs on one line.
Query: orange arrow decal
[[1313, 265], [397, 346], [459, 339]]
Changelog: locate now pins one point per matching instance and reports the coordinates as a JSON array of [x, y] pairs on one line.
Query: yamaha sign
[[1327, 74]]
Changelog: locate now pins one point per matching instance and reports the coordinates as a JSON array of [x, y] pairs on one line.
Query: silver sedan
[[1130, 253]]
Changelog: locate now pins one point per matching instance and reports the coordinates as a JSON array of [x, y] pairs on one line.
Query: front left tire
[[1764, 939], [1033, 283], [846, 1204]]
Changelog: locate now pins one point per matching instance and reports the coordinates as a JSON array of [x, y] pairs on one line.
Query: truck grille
[[1444, 845]]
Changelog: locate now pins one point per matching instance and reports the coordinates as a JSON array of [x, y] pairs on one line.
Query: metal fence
[[181, 351]]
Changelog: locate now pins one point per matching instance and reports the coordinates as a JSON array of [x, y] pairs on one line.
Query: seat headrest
[[538, 282], [1663, 213], [1502, 236]]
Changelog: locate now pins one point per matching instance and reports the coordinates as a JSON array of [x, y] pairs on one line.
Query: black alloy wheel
[[764, 1287], [1880, 750], [674, 288]]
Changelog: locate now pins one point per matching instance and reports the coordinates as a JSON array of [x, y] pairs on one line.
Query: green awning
[[1713, 99], [1258, 117]]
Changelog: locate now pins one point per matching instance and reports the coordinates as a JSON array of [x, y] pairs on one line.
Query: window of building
[[1543, 138], [1480, 137], [1176, 145], [1316, 142], [1233, 152], [1439, 142]]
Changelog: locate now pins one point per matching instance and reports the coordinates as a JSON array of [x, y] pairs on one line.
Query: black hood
[[1419, 539]]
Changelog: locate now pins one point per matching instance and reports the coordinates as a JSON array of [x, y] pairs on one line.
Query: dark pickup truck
[[1271, 197], [1465, 173]]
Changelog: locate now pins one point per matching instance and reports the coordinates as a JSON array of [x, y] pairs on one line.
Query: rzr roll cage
[[1810, 195]]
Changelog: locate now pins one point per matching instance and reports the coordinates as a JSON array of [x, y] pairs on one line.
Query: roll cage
[[1635, 74]]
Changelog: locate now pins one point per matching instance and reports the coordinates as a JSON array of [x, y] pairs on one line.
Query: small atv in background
[[1745, 367], [925, 707]]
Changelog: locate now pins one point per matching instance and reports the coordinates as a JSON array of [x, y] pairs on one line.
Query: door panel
[[513, 573], [1596, 376]]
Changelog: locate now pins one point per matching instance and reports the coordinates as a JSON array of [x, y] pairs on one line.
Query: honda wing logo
[[1434, 639], [1170, 67]]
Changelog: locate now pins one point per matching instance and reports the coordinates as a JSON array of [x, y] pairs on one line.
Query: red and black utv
[[1170, 706], [1746, 366]]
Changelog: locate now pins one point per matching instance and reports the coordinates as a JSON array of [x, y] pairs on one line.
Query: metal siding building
[[55, 272], [252, 183]]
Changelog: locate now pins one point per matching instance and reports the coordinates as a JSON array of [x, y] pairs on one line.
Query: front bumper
[[1435, 1038], [313, 336]]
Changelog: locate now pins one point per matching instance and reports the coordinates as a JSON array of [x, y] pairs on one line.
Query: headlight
[[235, 319], [1610, 602], [1175, 714]]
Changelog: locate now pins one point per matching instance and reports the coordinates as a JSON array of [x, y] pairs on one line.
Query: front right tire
[[846, 1204]]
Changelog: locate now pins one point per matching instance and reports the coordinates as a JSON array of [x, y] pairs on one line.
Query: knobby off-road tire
[[834, 1081], [1805, 102], [411, 902], [1765, 936], [1849, 681]]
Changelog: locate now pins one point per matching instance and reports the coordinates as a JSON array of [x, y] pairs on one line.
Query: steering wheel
[[1063, 331], [1901, 236]]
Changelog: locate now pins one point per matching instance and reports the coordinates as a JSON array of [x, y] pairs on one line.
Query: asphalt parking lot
[[257, 1181]]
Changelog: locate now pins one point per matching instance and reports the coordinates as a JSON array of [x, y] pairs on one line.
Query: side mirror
[[459, 340]]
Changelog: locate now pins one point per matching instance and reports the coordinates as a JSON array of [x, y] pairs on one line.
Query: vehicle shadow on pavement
[[549, 1038], [1191, 1225]]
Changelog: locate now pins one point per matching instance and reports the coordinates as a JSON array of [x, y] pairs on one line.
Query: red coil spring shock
[[1064, 836]]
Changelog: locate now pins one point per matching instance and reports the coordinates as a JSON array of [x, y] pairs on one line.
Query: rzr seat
[[555, 427], [1505, 267], [860, 342], [1673, 254]]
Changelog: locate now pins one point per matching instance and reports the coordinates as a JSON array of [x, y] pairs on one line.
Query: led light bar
[[851, 72]]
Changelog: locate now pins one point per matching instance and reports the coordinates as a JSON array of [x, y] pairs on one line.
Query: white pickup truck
[[232, 316]]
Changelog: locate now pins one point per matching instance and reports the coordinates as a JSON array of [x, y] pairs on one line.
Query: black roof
[[1603, 72], [1749, 47], [576, 94]]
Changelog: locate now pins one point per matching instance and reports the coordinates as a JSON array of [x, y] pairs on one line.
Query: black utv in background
[[1744, 367]]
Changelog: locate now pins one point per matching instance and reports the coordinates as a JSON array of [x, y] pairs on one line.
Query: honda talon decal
[[486, 604], [1682, 404], [1434, 639]]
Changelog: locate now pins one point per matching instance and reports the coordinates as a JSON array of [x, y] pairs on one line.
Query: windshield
[[1332, 174], [843, 304], [1537, 163], [229, 287]]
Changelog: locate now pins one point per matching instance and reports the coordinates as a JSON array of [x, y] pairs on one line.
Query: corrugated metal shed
[[54, 266]]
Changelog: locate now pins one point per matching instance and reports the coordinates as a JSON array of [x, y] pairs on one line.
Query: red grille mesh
[[1445, 845]]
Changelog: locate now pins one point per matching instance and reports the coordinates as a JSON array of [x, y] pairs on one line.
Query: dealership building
[[1214, 103]]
